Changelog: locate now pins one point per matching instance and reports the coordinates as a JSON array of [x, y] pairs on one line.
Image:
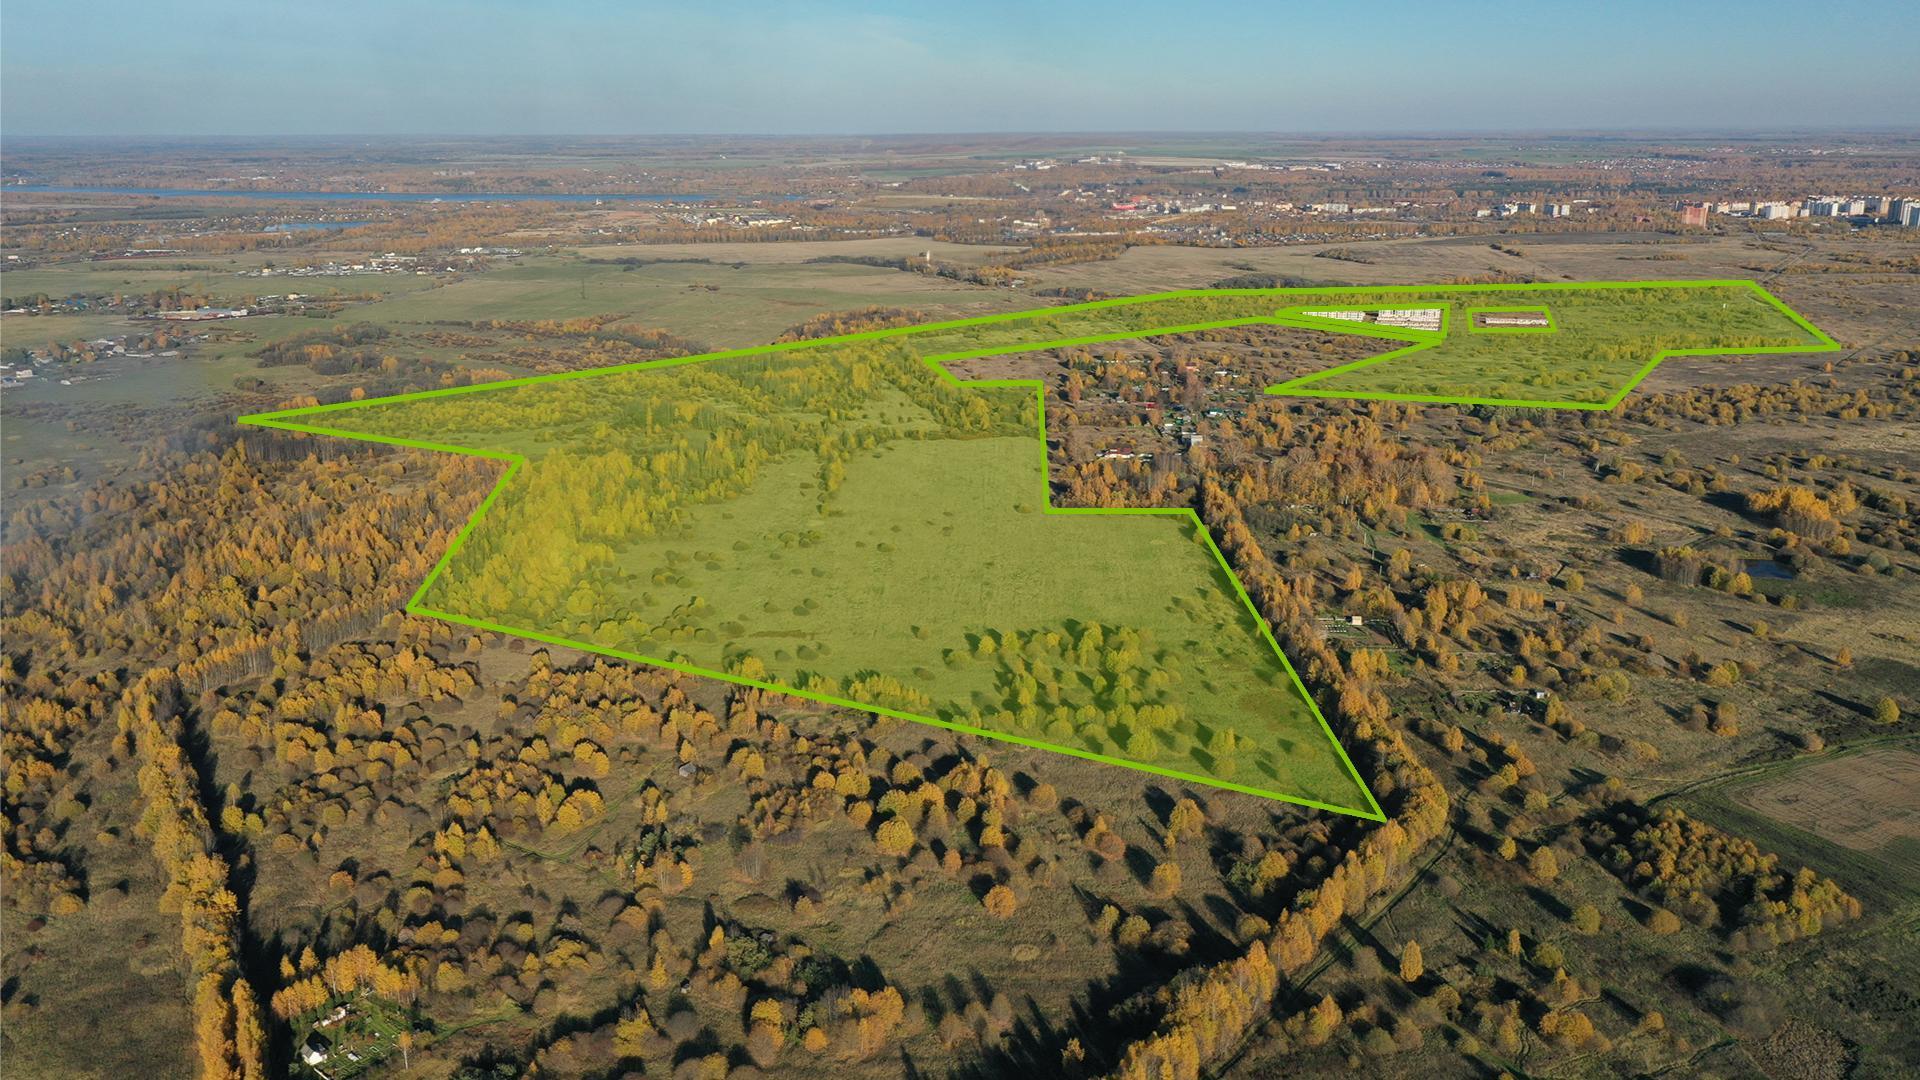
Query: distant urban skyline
[[492, 67]]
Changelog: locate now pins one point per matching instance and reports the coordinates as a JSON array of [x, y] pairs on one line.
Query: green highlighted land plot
[[1563, 346], [845, 520], [1457, 344]]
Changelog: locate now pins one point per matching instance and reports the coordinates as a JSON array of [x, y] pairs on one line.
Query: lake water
[[1769, 569], [356, 196]]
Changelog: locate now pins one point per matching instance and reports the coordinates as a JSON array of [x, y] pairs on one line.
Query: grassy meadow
[[840, 521]]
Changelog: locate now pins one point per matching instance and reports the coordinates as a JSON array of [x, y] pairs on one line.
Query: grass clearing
[[1858, 802], [1847, 814], [1606, 336], [1600, 343], [837, 522], [719, 302], [831, 518]]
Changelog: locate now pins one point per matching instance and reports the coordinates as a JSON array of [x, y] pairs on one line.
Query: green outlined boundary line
[[284, 419], [1300, 387], [416, 605]]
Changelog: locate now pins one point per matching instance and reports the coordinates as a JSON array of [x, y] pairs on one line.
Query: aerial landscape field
[[667, 521], [1434, 599]]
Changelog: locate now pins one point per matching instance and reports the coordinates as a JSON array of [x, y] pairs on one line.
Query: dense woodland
[[250, 805], [227, 636]]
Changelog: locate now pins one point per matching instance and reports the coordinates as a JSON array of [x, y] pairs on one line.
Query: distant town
[[1860, 209]]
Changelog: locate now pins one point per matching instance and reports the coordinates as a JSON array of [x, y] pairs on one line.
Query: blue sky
[[520, 66]]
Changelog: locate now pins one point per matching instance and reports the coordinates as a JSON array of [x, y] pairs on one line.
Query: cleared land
[[1849, 814], [698, 295], [1600, 343], [1604, 338], [1861, 802], [843, 522], [831, 518]]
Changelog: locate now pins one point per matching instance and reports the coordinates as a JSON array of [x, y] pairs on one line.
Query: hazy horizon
[[1325, 135], [596, 69]]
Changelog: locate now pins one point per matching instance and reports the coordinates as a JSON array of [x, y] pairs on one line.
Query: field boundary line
[[290, 419]]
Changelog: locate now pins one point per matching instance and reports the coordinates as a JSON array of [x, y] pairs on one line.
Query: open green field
[[95, 278], [833, 518], [41, 331], [1601, 343], [710, 301], [847, 523], [1846, 813], [215, 275], [1605, 337]]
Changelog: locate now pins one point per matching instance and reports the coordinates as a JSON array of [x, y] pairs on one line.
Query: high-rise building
[[1693, 215]]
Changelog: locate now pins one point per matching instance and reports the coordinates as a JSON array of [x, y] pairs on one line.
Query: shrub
[[1166, 879], [1586, 919], [895, 837]]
